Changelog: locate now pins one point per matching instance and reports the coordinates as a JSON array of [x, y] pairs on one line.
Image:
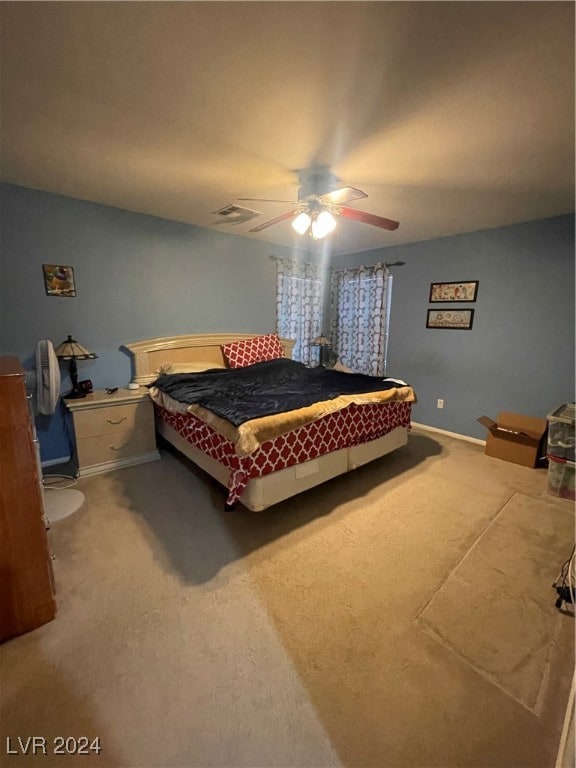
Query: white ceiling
[[452, 116]]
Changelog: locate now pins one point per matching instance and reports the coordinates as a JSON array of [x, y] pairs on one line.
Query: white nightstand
[[113, 431]]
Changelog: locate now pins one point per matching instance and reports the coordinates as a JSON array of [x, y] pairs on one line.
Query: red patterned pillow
[[254, 350]]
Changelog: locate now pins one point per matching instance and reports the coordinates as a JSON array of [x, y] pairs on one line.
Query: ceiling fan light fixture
[[302, 223], [322, 225], [314, 209]]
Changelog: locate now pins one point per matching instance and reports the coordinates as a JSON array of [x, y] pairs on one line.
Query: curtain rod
[[361, 266]]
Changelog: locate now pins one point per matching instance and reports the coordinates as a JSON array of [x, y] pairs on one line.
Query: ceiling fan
[[319, 201]]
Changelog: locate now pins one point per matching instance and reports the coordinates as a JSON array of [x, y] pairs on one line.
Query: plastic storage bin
[[561, 432], [561, 475]]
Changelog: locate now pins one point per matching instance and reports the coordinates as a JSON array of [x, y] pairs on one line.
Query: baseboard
[[61, 460], [129, 461], [457, 435]]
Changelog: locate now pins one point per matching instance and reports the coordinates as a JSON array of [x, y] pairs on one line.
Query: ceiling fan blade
[[342, 195], [265, 200], [368, 218], [277, 220]]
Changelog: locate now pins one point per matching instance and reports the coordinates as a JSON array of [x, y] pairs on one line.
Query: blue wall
[[137, 277], [519, 355]]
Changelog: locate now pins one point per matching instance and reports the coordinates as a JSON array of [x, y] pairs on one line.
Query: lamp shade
[[322, 225], [301, 223], [70, 349], [320, 341]]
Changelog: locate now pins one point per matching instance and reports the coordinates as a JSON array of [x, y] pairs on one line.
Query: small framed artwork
[[59, 280], [465, 291], [455, 319]]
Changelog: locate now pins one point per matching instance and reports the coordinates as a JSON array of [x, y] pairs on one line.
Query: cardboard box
[[516, 438]]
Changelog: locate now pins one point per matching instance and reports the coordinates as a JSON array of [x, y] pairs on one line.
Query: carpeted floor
[[401, 615]]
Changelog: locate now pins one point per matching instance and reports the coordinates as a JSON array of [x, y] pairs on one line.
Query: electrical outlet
[[440, 404]]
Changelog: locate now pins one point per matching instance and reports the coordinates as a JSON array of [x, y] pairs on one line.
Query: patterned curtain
[[360, 317], [299, 306]]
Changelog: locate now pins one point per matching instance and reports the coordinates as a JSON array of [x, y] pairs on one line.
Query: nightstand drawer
[[112, 419], [119, 445]]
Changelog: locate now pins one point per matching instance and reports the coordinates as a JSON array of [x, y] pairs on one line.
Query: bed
[[268, 459]]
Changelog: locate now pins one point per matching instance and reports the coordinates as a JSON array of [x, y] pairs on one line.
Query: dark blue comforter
[[274, 386]]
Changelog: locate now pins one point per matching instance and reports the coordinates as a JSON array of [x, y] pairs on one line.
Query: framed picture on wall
[[464, 291], [59, 280], [454, 319]]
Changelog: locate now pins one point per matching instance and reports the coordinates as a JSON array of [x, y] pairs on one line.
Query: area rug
[[496, 609]]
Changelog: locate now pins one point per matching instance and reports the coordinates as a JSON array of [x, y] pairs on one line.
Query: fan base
[[60, 503]]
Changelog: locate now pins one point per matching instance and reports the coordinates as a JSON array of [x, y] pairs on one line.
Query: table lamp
[[71, 350], [326, 353]]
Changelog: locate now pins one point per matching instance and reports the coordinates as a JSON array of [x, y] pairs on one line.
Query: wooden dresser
[[26, 580], [113, 431]]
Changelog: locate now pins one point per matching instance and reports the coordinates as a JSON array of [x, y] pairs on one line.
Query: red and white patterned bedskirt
[[352, 425]]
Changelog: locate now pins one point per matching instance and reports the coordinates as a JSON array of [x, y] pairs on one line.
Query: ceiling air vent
[[236, 214]]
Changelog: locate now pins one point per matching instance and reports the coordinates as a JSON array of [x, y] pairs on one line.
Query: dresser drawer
[[114, 418], [118, 445]]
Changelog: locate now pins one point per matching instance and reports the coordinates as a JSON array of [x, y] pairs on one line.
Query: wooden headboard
[[151, 354]]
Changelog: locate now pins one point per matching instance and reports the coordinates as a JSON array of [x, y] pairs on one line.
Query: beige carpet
[[402, 615]]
